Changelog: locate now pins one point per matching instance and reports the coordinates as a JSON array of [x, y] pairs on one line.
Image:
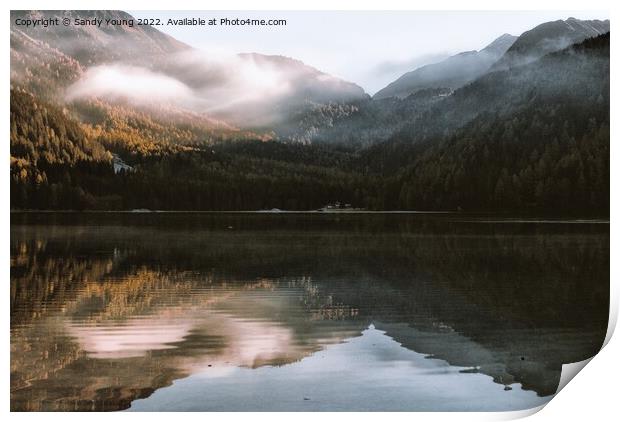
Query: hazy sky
[[369, 48]]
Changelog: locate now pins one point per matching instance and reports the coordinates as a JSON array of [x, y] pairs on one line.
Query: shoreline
[[473, 217]]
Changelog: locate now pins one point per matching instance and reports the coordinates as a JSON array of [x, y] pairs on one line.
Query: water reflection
[[107, 309]]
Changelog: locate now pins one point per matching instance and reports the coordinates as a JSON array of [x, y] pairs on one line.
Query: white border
[[592, 395]]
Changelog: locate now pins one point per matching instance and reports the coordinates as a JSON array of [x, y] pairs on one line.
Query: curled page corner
[[519, 414], [569, 370], [613, 317], [202, 220]]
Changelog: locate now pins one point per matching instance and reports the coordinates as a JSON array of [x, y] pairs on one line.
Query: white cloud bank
[[217, 86], [123, 82]]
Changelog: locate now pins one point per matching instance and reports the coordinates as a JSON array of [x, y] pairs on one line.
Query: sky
[[369, 48]]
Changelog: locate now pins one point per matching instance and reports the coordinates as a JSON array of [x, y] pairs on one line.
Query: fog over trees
[[509, 134]]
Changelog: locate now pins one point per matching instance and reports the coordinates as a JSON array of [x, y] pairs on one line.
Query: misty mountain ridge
[[268, 90], [538, 136], [248, 90], [464, 66], [144, 68], [91, 45], [576, 74], [140, 65], [547, 38], [453, 72], [192, 127]]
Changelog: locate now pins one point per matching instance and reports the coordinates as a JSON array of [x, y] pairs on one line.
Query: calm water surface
[[302, 312]]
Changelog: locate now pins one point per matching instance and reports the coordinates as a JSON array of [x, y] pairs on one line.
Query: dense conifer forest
[[532, 138]]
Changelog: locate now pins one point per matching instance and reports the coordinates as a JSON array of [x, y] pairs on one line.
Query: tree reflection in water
[[106, 309]]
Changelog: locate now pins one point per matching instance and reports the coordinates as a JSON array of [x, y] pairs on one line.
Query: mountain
[[92, 44], [139, 66], [252, 90], [309, 83], [453, 72], [578, 73], [532, 136], [50, 58], [549, 37], [362, 123], [359, 124], [192, 129]]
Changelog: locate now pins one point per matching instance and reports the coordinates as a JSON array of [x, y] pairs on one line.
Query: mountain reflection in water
[[300, 312]]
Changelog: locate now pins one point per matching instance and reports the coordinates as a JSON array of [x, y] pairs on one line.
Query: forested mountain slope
[[547, 38], [537, 136], [452, 73], [522, 139]]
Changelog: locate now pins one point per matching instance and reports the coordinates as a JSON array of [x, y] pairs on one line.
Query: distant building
[[119, 164], [336, 206]]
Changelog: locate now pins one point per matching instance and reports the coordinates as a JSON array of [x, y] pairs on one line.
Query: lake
[[301, 311]]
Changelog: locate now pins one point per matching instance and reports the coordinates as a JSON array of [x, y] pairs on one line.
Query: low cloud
[[129, 83], [225, 82], [240, 88]]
